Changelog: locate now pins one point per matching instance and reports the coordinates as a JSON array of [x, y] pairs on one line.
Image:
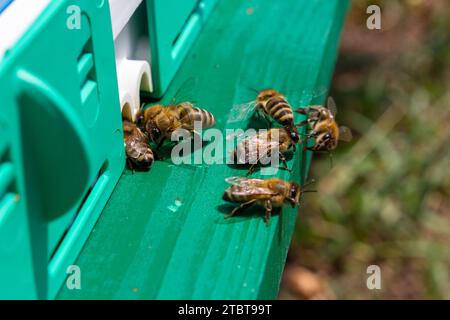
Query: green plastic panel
[[61, 146], [173, 25], [162, 234]]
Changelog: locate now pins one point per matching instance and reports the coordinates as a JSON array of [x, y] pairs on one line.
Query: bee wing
[[239, 135], [307, 97], [308, 109], [240, 112], [345, 134], [255, 148], [241, 180], [250, 190], [250, 186], [331, 105], [304, 101]]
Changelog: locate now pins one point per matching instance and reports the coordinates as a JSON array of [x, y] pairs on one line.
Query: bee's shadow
[[133, 171], [250, 212], [240, 167], [165, 151], [258, 122]]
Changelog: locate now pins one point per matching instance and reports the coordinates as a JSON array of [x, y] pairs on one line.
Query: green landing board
[[163, 234]]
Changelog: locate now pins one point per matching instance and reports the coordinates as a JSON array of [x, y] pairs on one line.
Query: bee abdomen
[[190, 114], [240, 153], [227, 196], [248, 153], [208, 119], [280, 110], [230, 196]]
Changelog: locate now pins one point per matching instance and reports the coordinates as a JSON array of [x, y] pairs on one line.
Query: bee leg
[[304, 111], [301, 124], [314, 121], [157, 156], [130, 165], [160, 143], [243, 205], [268, 212], [264, 115], [268, 123], [283, 159], [251, 170], [311, 135]]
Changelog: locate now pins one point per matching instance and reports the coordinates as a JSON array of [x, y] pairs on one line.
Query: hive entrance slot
[[185, 29]]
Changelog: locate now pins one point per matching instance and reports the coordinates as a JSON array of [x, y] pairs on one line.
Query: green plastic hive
[[173, 26], [61, 145]]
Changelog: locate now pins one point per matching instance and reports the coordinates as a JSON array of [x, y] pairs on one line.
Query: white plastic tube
[[132, 50], [133, 77]]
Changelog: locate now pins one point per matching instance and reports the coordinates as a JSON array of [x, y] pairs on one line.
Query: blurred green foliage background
[[386, 200]]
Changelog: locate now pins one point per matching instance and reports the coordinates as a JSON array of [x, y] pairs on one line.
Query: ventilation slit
[[86, 72], [8, 193]]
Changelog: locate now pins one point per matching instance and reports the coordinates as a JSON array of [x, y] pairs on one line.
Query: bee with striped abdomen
[[139, 154], [268, 193], [323, 126], [271, 104], [259, 148], [161, 121]]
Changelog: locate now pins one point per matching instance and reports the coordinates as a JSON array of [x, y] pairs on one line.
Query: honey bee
[[324, 129], [161, 121], [139, 154], [268, 193], [258, 148], [271, 104]]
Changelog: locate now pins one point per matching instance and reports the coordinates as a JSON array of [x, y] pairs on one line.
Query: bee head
[[143, 162], [140, 119], [325, 142], [146, 159], [154, 133], [294, 194], [141, 159], [294, 135]]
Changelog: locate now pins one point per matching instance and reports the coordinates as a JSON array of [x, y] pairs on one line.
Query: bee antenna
[[143, 104], [290, 128], [252, 89], [331, 159]]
